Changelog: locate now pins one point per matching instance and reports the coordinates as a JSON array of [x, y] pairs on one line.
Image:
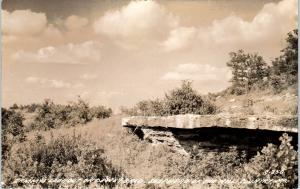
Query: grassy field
[[259, 102], [138, 159], [141, 160]]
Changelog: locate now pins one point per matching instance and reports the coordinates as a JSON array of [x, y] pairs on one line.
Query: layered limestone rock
[[187, 133], [283, 123], [162, 137]]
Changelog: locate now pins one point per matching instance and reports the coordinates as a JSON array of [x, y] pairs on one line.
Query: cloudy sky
[[119, 52]]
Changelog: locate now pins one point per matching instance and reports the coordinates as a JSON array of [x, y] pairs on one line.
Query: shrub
[[45, 116], [213, 164], [274, 163], [50, 115], [275, 167], [151, 107], [14, 106], [64, 157], [100, 112], [12, 130], [129, 111], [183, 100], [32, 107]]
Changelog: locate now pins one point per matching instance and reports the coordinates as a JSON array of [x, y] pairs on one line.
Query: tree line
[[250, 70]]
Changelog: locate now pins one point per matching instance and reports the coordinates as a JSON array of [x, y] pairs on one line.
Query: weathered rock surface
[[189, 133], [287, 123]]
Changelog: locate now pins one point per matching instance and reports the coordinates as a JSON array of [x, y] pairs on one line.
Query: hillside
[[259, 102]]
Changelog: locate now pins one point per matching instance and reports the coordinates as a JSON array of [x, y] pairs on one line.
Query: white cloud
[[82, 53], [196, 72], [27, 30], [52, 83], [138, 23], [23, 23], [146, 23], [179, 38], [272, 22], [88, 76], [267, 29], [74, 22]]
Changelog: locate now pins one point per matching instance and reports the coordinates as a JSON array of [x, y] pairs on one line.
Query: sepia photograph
[[149, 94]]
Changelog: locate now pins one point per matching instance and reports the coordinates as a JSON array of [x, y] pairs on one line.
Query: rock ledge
[[283, 123]]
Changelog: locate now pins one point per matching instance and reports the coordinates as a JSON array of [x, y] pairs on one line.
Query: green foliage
[[214, 164], [182, 100], [14, 106], [80, 112], [12, 130], [138, 158], [284, 69], [277, 164], [248, 70], [100, 112], [50, 115], [151, 107], [274, 163], [185, 100], [64, 157], [32, 107]]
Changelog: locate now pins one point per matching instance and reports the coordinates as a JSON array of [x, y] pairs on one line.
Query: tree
[[248, 70], [185, 100], [284, 69], [258, 70]]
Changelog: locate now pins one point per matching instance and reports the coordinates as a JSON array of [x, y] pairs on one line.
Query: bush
[[49, 115], [62, 158], [100, 112], [32, 107], [14, 107], [274, 163], [12, 130], [183, 100], [151, 107], [203, 164]]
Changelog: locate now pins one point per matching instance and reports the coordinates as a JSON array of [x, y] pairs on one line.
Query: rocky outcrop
[[187, 133], [287, 123]]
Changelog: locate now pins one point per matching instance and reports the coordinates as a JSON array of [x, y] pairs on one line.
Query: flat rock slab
[[284, 123]]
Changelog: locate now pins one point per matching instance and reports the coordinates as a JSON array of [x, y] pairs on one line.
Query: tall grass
[[139, 159], [63, 157]]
